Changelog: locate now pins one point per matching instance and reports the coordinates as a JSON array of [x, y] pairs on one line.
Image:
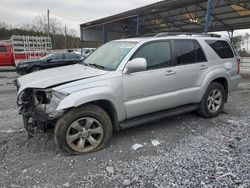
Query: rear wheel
[[213, 101], [35, 68], [83, 130]]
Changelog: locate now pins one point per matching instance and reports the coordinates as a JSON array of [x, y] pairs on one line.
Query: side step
[[157, 115]]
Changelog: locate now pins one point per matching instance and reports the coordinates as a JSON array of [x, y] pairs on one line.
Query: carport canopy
[[171, 16]]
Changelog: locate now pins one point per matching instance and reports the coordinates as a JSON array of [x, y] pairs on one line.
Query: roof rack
[[187, 34], [165, 34]]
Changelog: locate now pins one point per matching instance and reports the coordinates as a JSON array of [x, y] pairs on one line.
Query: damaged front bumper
[[38, 107]]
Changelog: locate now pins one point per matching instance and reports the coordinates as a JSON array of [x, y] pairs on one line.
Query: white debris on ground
[[126, 182], [110, 170], [137, 146], [9, 131], [66, 184], [155, 142]]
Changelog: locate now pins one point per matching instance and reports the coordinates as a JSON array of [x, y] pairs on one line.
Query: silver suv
[[129, 82]]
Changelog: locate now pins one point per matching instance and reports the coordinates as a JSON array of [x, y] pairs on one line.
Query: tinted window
[[158, 54], [185, 52], [3, 49], [199, 53], [222, 48], [188, 51]]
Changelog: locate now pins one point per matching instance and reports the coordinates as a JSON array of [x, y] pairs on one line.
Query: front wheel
[[213, 101], [83, 130]]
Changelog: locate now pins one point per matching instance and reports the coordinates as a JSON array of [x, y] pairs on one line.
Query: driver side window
[[157, 54]]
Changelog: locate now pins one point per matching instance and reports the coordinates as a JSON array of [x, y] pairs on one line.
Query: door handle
[[170, 72], [203, 67]]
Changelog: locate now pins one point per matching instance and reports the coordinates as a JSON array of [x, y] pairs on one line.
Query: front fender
[[93, 94]]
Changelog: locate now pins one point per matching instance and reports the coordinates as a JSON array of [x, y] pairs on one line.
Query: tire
[[35, 68], [213, 101], [93, 134]]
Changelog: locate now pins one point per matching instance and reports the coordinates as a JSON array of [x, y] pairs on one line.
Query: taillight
[[238, 65]]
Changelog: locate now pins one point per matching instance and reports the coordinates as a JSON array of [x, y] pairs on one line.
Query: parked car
[[6, 55], [87, 51], [129, 82], [49, 61]]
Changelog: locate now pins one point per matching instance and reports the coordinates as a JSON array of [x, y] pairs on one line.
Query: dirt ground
[[191, 151]]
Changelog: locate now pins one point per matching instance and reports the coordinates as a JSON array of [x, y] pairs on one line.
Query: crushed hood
[[57, 76]]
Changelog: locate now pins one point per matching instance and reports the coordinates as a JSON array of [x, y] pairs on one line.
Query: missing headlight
[[43, 97], [24, 97]]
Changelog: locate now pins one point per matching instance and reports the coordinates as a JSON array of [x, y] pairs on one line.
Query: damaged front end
[[38, 107]]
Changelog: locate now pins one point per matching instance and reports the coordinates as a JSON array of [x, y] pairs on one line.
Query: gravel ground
[[191, 151]]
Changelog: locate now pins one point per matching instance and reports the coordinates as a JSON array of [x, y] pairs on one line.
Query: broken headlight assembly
[[48, 101], [41, 101]]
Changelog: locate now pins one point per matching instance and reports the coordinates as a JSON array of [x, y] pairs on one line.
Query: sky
[[70, 12]]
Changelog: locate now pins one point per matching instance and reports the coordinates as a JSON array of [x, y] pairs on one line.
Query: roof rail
[[140, 35], [187, 34]]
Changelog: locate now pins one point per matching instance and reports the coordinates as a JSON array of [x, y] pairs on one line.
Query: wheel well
[[111, 111], [223, 82], [35, 66]]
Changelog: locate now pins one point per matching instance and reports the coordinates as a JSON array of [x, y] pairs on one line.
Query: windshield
[[110, 55]]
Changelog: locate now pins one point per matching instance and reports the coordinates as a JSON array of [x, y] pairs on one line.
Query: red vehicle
[[6, 55]]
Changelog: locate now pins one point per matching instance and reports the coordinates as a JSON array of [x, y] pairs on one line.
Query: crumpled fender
[[93, 94]]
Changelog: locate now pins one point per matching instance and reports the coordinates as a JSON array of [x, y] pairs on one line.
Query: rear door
[[191, 67], [153, 89], [70, 59], [5, 56]]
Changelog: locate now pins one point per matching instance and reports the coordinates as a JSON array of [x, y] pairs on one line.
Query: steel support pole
[[137, 25], [208, 15], [104, 34]]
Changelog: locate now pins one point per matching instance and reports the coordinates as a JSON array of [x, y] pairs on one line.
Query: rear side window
[[70, 56], [222, 48], [3, 49], [188, 51], [56, 57], [157, 54]]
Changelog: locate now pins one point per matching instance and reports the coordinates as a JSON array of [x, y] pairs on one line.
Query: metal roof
[[179, 16]]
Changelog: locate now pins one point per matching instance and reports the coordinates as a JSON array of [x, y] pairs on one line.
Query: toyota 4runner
[[129, 82]]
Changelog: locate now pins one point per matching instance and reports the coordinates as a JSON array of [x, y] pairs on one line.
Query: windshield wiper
[[96, 66]]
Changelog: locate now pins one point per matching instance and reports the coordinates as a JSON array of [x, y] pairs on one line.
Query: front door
[[153, 89], [56, 60]]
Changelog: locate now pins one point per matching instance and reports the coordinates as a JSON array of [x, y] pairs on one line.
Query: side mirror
[[136, 65], [49, 60]]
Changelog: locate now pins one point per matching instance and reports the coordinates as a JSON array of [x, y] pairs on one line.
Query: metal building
[[169, 16]]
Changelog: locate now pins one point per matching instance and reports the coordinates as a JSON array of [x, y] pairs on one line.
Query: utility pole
[[247, 39], [48, 20], [65, 42]]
